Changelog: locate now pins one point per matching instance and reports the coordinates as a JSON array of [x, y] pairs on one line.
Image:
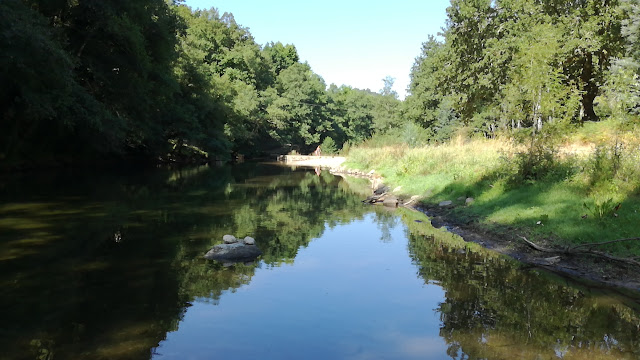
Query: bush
[[604, 164], [328, 146], [410, 134], [540, 160]]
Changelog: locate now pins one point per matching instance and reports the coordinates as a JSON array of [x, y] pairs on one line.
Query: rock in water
[[249, 241], [390, 201], [236, 252], [381, 190], [229, 239]]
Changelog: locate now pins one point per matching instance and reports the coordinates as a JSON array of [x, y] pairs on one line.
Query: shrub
[[540, 159], [328, 146]]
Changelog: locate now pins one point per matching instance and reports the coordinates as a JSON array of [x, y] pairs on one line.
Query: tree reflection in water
[[494, 309], [104, 265]]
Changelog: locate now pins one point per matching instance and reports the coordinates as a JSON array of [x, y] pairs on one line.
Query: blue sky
[[356, 43]]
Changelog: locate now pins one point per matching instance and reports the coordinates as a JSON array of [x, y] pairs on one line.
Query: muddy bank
[[509, 241]]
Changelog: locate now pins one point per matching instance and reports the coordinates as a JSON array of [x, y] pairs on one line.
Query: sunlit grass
[[558, 208]]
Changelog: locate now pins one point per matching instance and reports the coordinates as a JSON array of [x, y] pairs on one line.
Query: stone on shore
[[469, 201], [445, 203]]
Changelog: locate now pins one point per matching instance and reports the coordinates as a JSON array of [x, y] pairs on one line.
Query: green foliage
[[353, 113], [538, 161], [328, 146], [299, 114], [280, 56], [137, 78], [621, 93], [602, 209], [605, 164], [509, 64], [386, 109]]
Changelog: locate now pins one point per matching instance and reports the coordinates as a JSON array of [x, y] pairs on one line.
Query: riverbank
[[561, 214], [315, 161]]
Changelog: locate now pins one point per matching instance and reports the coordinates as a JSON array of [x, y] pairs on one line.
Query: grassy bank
[[583, 189]]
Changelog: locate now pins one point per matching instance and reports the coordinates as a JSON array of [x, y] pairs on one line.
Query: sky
[[347, 42]]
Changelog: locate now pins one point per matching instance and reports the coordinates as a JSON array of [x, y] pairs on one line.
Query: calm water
[[109, 266]]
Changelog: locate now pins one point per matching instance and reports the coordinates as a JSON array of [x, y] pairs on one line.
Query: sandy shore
[[322, 161]]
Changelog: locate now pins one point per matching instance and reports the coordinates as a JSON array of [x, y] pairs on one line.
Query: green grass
[[570, 205]]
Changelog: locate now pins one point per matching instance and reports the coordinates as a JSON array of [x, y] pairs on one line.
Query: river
[[108, 265]]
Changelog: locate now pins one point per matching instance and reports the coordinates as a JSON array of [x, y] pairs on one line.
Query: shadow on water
[[105, 265]]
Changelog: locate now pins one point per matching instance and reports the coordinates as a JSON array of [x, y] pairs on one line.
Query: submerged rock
[[390, 201]]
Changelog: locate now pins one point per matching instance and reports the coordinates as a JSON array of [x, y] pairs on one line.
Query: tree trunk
[[590, 89]]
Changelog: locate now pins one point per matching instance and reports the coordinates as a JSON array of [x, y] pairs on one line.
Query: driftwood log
[[586, 249]]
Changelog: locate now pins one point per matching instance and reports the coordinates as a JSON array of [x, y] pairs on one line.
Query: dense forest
[[161, 81], [153, 79], [512, 64]]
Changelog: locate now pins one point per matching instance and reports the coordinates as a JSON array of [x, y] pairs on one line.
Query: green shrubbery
[[328, 146]]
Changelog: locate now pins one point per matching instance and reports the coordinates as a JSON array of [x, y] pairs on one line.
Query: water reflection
[[104, 265], [346, 295], [109, 266], [496, 310]]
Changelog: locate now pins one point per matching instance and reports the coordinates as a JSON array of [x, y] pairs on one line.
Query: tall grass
[[430, 169], [581, 196]]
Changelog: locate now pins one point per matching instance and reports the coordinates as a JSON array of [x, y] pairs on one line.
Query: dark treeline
[[510, 64], [159, 80], [156, 79]]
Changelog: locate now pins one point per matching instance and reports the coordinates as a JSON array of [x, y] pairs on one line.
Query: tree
[[429, 104], [386, 111], [537, 85], [33, 92], [352, 113], [280, 56], [299, 114]]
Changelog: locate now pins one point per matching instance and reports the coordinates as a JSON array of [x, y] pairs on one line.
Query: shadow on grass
[[551, 208]]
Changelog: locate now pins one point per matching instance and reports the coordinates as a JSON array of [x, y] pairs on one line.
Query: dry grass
[[570, 203]]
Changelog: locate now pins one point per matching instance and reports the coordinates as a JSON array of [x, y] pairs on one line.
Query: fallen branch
[[538, 247], [588, 251], [591, 245]]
